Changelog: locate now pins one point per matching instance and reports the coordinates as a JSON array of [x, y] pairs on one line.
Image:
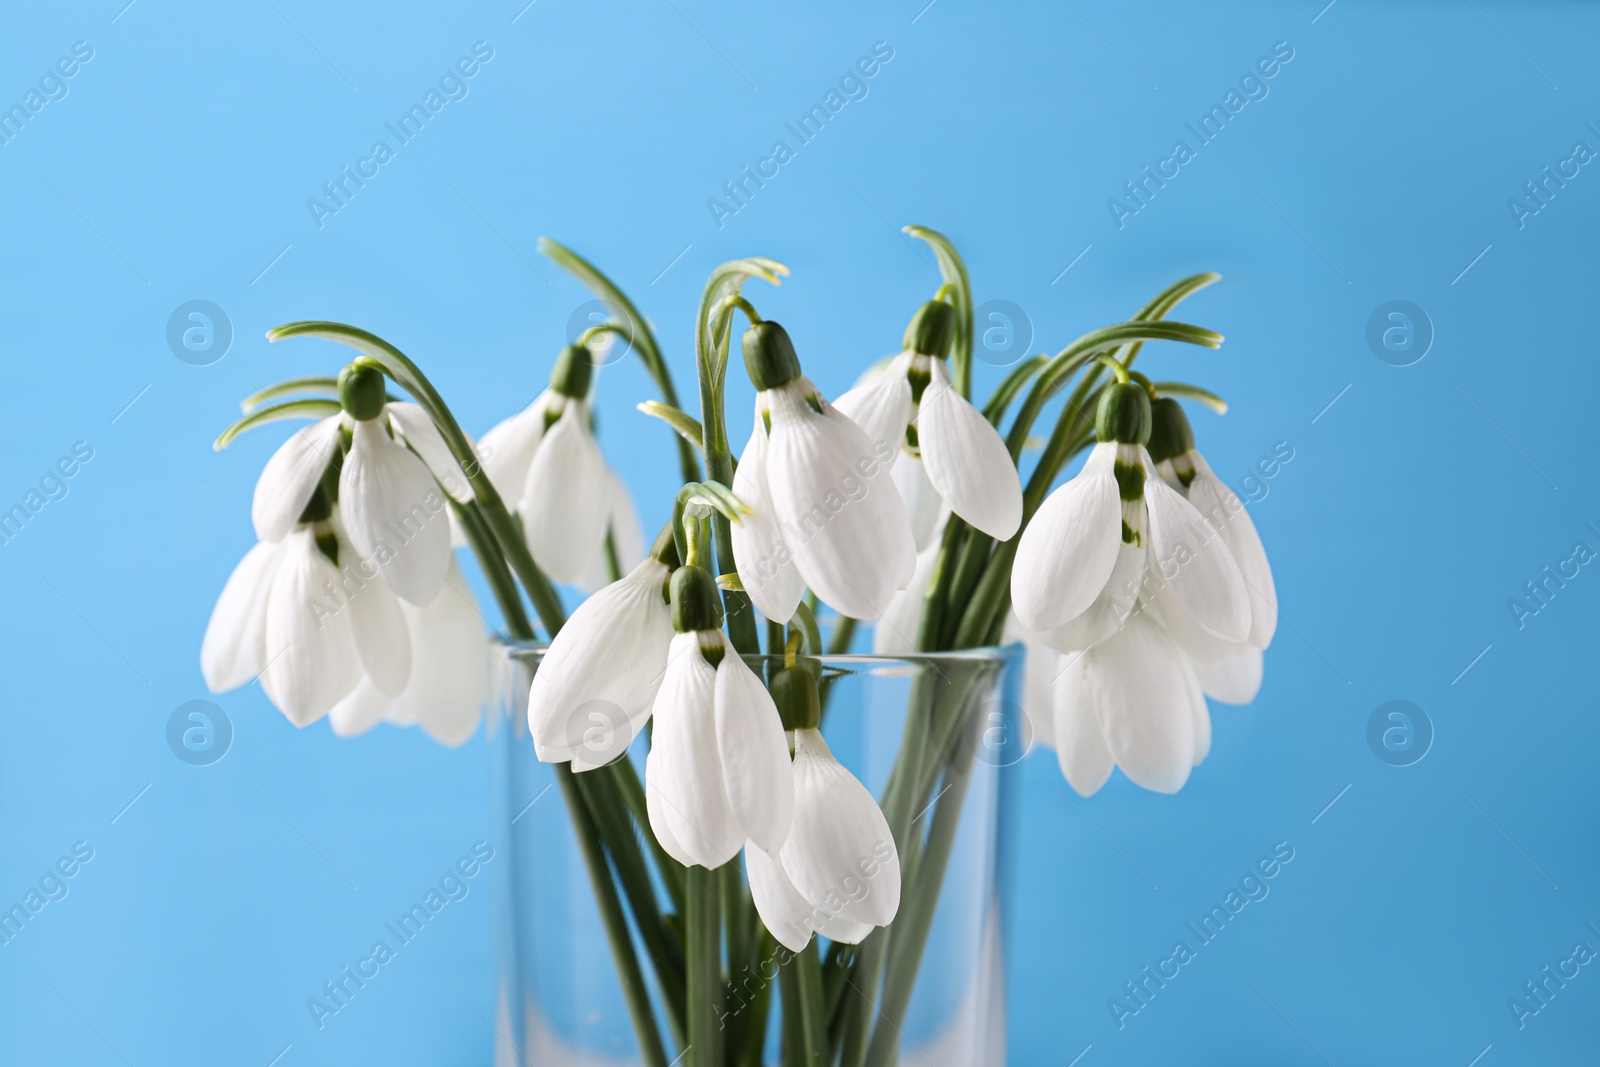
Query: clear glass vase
[[933, 737]]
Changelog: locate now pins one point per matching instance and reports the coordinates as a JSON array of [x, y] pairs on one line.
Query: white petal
[[840, 854], [787, 915], [684, 766], [1222, 507], [359, 712], [565, 502], [655, 811], [1070, 546], [1080, 744], [395, 514], [1186, 553], [426, 441], [311, 651], [881, 405], [1199, 714], [607, 661], [925, 507], [966, 460], [449, 664], [896, 633], [291, 476], [1141, 698], [624, 533], [234, 648], [1236, 680], [382, 642], [765, 566], [1109, 610], [1039, 669], [836, 500], [756, 771], [506, 451]]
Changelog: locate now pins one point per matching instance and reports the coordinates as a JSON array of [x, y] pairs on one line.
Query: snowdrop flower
[[718, 772], [387, 492], [1185, 470], [912, 404], [444, 695], [594, 689], [546, 460], [896, 633], [838, 873], [1116, 536], [824, 509], [291, 476], [1132, 701], [308, 618]]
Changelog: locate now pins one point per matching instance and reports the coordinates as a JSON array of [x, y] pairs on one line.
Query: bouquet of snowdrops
[[1138, 587]]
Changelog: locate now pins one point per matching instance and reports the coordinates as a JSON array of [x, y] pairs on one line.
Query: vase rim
[[505, 646]]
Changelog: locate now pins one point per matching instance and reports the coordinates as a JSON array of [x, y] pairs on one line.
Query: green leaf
[[295, 409]]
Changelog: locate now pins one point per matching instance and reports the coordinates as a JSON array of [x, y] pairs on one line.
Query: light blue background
[[1415, 506]]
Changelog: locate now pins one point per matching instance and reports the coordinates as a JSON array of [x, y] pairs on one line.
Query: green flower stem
[[626, 777], [409, 377], [843, 632], [495, 570], [636, 330], [666, 951], [702, 936], [912, 927], [1010, 386], [764, 948], [1192, 392], [320, 385], [687, 426], [809, 1021], [712, 327], [634, 990], [294, 409], [960, 295], [1066, 362]]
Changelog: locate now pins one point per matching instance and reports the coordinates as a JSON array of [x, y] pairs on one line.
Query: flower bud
[[1170, 433], [769, 356], [932, 330], [695, 603], [1124, 414], [573, 372], [794, 691], [361, 389]]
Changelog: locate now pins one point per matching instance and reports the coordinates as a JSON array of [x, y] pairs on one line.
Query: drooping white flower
[[896, 633], [1133, 701], [234, 649], [790, 917], [291, 476], [595, 686], [312, 658], [719, 766], [963, 455], [761, 556], [444, 695], [1185, 470], [566, 502], [927, 510], [392, 505], [626, 536], [546, 462], [840, 856], [840, 519], [1116, 533]]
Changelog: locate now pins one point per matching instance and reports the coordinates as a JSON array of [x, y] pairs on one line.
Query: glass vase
[[934, 738]]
